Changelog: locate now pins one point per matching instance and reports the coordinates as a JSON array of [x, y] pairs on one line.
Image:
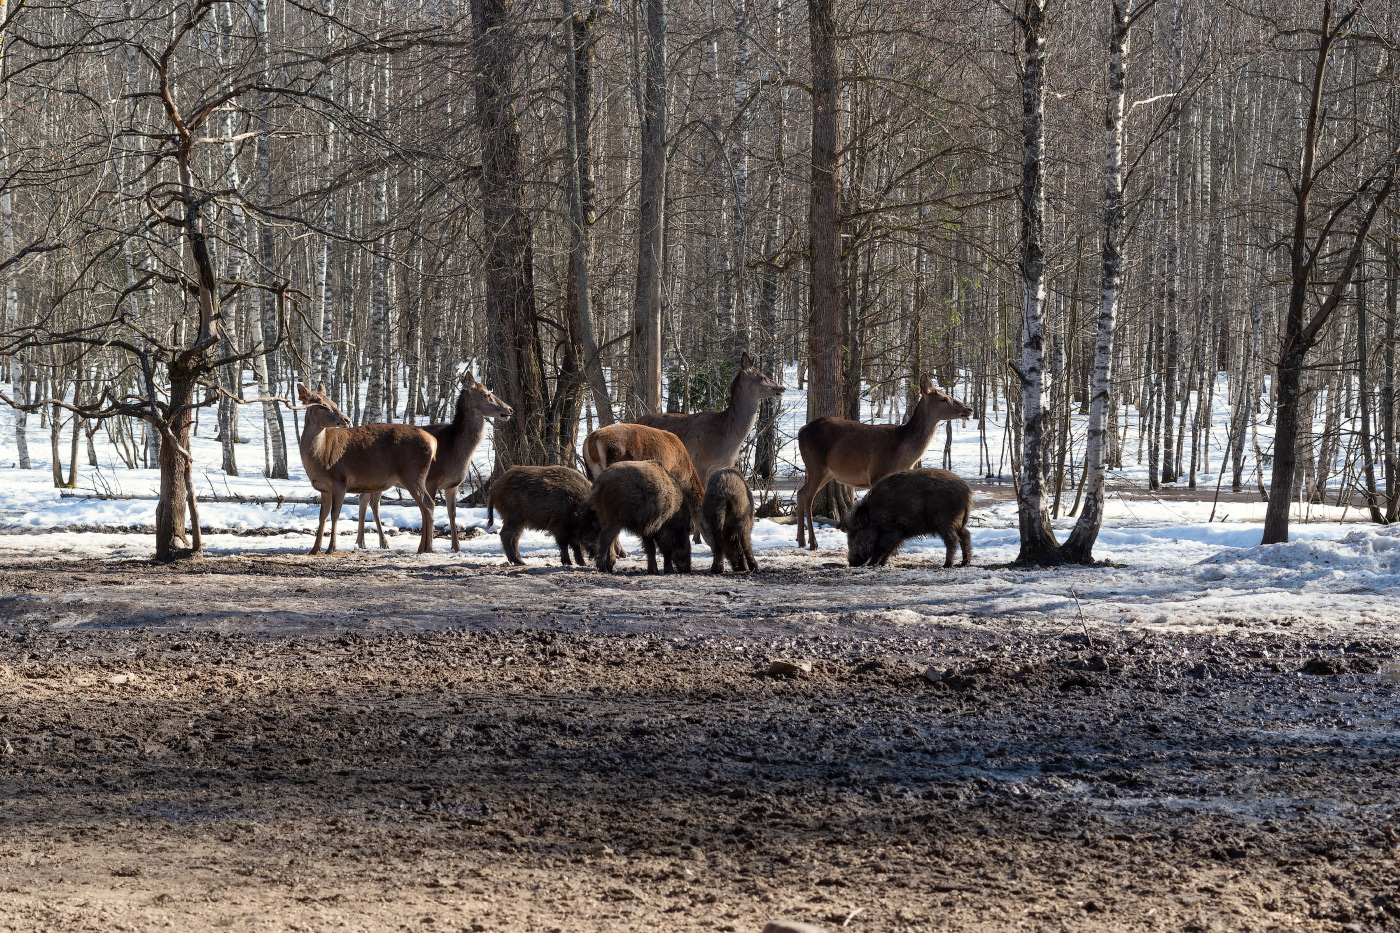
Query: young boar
[[547, 498], [910, 505], [641, 497], [729, 518]]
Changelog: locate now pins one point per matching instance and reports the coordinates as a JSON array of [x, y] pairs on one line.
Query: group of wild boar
[[666, 479]]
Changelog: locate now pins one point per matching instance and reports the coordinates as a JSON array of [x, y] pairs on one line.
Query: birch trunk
[[1038, 544], [1079, 548]]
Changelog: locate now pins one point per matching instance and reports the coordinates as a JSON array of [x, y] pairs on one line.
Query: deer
[[861, 455], [366, 460], [457, 442], [618, 443], [714, 438]]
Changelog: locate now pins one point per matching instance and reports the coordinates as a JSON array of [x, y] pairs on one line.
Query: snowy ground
[[1176, 564]]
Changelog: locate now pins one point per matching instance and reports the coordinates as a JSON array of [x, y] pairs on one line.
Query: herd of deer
[[662, 478]]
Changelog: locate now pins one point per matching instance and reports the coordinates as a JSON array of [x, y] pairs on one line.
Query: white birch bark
[[1038, 544], [1080, 545]]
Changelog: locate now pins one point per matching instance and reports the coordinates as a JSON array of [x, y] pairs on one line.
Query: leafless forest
[[1108, 207]]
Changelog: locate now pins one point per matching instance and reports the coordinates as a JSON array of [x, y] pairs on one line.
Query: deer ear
[[321, 389], [467, 378], [925, 384], [301, 393], [746, 361]]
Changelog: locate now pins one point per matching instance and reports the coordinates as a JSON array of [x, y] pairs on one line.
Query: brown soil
[[370, 743]]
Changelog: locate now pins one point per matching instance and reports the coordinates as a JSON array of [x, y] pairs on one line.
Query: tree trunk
[[646, 322], [515, 356], [1363, 401], [171, 508], [1038, 545], [267, 316], [824, 331], [1301, 331], [1079, 548], [824, 392], [578, 92]]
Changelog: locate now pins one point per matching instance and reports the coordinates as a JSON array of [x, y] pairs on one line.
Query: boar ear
[[301, 393], [746, 361], [925, 384]]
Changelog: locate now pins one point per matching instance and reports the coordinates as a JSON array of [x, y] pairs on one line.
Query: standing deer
[[456, 444], [861, 455], [714, 438], [366, 460]]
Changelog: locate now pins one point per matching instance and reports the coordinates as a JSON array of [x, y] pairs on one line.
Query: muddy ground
[[377, 743]]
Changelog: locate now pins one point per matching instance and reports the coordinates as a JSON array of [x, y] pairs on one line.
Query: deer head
[[940, 405], [753, 383], [479, 399], [320, 407]]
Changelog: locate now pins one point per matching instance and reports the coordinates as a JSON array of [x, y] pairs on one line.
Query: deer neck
[[915, 434], [466, 430], [314, 436], [742, 413]]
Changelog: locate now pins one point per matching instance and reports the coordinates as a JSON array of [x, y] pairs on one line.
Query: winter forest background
[[1182, 210]]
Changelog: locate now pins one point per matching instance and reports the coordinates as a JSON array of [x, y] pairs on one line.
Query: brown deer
[[366, 460], [861, 455], [457, 442], [618, 443], [714, 438]]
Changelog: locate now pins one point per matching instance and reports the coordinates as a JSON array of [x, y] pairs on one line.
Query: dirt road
[[375, 743]]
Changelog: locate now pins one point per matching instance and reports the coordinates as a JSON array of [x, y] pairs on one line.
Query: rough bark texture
[[516, 373], [824, 302], [1038, 544], [646, 323]]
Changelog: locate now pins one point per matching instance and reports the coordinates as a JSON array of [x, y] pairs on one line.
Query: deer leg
[[321, 526], [425, 507], [805, 497], [449, 495], [649, 545], [802, 513], [360, 533], [378, 525], [337, 500]]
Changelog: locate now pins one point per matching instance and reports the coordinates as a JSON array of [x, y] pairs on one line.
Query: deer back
[[372, 457]]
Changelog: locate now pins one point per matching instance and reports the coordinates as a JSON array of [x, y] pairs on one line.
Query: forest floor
[[387, 742]]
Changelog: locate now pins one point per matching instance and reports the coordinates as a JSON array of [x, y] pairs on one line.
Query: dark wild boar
[[910, 505], [729, 517], [641, 497], [546, 498]]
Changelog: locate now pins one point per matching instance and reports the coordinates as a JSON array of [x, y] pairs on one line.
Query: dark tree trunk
[[646, 321], [514, 351]]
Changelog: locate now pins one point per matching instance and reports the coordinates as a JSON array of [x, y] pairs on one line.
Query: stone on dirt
[[792, 926], [1321, 667], [117, 680], [781, 668]]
